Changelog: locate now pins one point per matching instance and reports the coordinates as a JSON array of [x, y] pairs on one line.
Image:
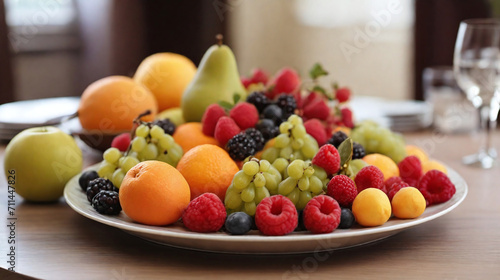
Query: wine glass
[[476, 65]]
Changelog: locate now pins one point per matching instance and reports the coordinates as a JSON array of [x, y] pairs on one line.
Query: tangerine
[[112, 104], [190, 135], [154, 193], [207, 168]]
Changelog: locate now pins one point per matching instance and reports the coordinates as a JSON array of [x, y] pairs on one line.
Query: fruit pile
[[279, 154]]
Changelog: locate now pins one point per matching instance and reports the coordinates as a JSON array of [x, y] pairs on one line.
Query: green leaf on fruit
[[226, 105], [236, 98], [317, 88], [317, 71], [345, 152]]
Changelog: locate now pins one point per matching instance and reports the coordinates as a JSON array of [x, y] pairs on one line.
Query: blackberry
[[346, 218], [97, 185], [337, 138], [268, 129], [287, 103], [274, 113], [259, 100], [86, 177], [240, 146], [257, 137], [357, 151], [238, 223], [107, 203], [167, 125]]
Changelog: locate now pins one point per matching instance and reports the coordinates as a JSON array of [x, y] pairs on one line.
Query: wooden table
[[54, 242]]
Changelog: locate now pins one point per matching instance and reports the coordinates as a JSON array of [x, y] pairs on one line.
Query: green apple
[[43, 160]]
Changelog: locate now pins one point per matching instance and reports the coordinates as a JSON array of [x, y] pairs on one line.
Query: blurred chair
[[6, 87]]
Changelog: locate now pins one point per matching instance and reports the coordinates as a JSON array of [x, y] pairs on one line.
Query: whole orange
[[112, 104], [207, 168], [190, 135], [166, 75], [154, 193]]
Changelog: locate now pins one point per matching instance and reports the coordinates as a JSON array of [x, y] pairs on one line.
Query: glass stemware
[[476, 66]]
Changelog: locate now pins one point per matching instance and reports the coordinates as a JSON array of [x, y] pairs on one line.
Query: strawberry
[[259, 76], [225, 129], [209, 120], [343, 94], [246, 81], [285, 81], [347, 117], [315, 128], [316, 109], [245, 115]]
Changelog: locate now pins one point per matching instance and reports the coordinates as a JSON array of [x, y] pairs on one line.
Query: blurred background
[[51, 48]]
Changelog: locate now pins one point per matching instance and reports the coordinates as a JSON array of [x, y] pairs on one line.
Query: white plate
[[254, 243]]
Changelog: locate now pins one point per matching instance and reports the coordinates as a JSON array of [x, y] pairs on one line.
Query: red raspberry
[[328, 158], [210, 118], [436, 187], [370, 177], [276, 215], [121, 141], [390, 181], [245, 115], [410, 170], [205, 213], [321, 214], [394, 188], [316, 129], [343, 94], [225, 129], [347, 117], [343, 189]]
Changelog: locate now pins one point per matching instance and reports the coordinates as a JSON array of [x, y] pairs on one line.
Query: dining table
[[55, 242]]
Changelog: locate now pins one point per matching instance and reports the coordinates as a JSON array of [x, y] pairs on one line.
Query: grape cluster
[[150, 143], [293, 142], [377, 139], [256, 180], [301, 181]]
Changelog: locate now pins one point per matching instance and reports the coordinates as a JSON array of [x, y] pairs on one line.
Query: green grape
[[298, 155], [264, 165], [319, 172], [106, 169], [297, 144], [280, 164], [271, 182], [356, 165], [287, 186], [296, 169], [271, 154], [309, 171], [248, 193], [259, 180], [310, 147], [175, 153], [156, 132], [112, 155], [117, 177], [294, 196], [303, 183], [299, 131], [166, 142], [150, 152], [251, 168], [250, 208], [142, 131], [138, 144], [315, 185], [282, 141], [285, 127], [295, 120], [241, 180], [232, 199], [260, 194], [286, 152], [128, 162], [304, 198]]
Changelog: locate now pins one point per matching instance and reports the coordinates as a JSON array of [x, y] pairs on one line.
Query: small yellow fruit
[[408, 203], [412, 150], [388, 167], [433, 164], [371, 207]]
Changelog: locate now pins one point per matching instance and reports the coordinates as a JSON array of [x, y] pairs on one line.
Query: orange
[[412, 150], [207, 168], [388, 167], [112, 104], [190, 135], [154, 193], [371, 207], [166, 75], [268, 145], [408, 203]]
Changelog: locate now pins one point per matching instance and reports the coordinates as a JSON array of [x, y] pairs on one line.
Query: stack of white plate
[[402, 116], [18, 116]]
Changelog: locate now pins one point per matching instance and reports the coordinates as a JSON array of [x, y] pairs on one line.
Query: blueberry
[[86, 177], [268, 128], [346, 218], [273, 112], [238, 223]]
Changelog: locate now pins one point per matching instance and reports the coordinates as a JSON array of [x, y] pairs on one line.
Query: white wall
[[364, 44]]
